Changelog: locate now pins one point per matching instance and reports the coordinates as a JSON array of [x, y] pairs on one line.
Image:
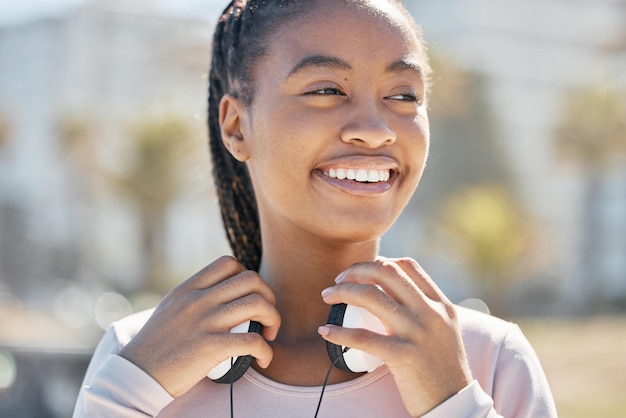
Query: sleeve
[[520, 388], [471, 402], [115, 387], [520, 385]]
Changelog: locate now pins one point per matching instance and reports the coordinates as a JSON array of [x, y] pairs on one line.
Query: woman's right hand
[[189, 332]]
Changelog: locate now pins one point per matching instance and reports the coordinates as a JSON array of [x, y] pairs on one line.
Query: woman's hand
[[423, 347], [189, 332]]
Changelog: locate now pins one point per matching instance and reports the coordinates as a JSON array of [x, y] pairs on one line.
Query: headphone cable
[[319, 403], [330, 369], [232, 380]]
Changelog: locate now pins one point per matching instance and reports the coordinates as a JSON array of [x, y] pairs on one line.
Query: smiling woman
[[319, 111], [319, 136]]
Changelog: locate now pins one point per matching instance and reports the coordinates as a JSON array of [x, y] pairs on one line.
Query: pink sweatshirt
[[509, 382]]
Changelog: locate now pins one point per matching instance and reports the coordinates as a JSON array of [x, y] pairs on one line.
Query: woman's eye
[[326, 91], [408, 97]]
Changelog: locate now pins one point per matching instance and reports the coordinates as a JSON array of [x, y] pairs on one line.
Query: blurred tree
[[466, 153], [78, 135], [16, 251], [484, 227], [591, 135], [465, 143], [4, 131], [592, 129], [161, 145], [158, 146]]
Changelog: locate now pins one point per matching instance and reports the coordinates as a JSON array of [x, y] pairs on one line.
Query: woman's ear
[[231, 117]]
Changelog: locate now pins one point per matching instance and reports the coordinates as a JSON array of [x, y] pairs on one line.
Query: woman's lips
[[360, 175]]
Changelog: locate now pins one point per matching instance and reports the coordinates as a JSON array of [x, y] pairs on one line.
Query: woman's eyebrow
[[319, 61], [405, 65]]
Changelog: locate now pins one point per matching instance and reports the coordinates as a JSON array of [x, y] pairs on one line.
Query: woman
[[319, 135]]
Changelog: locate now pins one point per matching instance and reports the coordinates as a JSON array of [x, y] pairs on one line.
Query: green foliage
[[592, 127], [159, 144], [4, 131], [487, 230], [153, 156], [75, 133], [466, 146]]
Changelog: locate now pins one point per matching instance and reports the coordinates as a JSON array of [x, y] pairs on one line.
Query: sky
[[17, 11]]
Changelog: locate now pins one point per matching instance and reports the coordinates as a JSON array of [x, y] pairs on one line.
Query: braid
[[232, 181], [237, 44], [239, 40]]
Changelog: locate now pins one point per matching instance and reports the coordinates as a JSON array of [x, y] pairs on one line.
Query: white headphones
[[222, 372], [345, 358]]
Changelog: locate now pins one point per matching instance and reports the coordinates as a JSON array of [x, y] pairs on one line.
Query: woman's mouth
[[359, 182], [360, 175]]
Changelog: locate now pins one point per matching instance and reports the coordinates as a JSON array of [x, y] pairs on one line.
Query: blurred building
[[66, 239], [109, 61], [97, 68], [532, 54]]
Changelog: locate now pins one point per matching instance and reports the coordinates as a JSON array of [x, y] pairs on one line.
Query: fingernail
[[323, 330], [340, 277], [326, 292]]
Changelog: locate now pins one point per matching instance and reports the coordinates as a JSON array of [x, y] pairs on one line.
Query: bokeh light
[[111, 307], [73, 306], [8, 370]]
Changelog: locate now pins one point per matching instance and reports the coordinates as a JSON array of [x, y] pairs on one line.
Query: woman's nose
[[366, 126]]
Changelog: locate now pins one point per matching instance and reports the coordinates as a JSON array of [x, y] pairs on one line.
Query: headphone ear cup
[[223, 373], [335, 352], [345, 358]]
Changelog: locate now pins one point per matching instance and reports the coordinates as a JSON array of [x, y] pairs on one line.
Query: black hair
[[240, 39]]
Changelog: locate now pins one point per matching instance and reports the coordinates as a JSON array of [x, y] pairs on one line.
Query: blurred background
[[107, 202]]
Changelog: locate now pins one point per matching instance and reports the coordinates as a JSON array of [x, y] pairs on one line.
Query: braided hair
[[238, 42], [240, 39]]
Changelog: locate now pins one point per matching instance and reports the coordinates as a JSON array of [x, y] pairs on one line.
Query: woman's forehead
[[393, 11], [344, 30]]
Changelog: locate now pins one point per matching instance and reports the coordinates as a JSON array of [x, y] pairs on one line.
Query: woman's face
[[337, 135]]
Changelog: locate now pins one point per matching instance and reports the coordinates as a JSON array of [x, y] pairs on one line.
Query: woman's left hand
[[423, 347]]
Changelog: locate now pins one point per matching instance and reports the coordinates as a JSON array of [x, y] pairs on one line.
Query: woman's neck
[[298, 271]]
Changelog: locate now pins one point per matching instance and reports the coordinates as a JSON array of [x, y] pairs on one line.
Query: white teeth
[[360, 175], [372, 176]]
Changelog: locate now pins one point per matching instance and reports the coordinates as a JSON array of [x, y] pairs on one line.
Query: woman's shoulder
[[483, 326], [505, 364], [495, 346], [489, 340]]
